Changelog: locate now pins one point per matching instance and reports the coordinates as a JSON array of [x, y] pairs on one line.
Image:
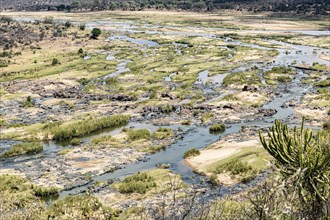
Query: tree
[[96, 32], [303, 159]]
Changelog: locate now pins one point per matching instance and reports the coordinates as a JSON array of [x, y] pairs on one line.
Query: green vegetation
[[28, 102], [278, 74], [303, 159], [22, 149], [75, 142], [138, 134], [81, 128], [79, 207], [104, 140], [45, 192], [137, 183], [217, 128], [191, 153], [323, 83], [64, 151], [243, 166], [242, 78], [326, 125], [96, 32], [162, 133], [55, 62]]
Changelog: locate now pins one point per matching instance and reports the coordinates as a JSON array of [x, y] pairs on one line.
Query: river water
[[196, 137]]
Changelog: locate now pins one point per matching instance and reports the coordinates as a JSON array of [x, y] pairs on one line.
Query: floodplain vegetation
[[94, 88]]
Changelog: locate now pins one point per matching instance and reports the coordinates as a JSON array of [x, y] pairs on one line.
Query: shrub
[[81, 128], [137, 183], [191, 153], [44, 191], [167, 108], [138, 134], [22, 149], [55, 62], [82, 27], [67, 24], [302, 158], [217, 128], [80, 51], [96, 32], [326, 125]]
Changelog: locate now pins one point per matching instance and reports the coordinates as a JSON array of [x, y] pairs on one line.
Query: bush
[[22, 149], [81, 128], [80, 51], [82, 27], [217, 128], [191, 153], [96, 32], [55, 62], [67, 24], [326, 125], [45, 192], [137, 183], [139, 134]]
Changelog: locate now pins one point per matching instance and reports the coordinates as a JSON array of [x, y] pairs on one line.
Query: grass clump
[[242, 78], [44, 191], [64, 151], [137, 183], [138, 134], [162, 133], [278, 74], [191, 153], [324, 83], [326, 125], [28, 102], [79, 207], [75, 141], [23, 149], [217, 128], [81, 128], [103, 140]]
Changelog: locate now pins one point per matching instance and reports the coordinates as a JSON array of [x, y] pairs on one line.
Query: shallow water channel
[[195, 137]]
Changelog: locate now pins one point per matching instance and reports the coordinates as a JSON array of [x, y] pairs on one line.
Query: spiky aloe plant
[[303, 158]]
